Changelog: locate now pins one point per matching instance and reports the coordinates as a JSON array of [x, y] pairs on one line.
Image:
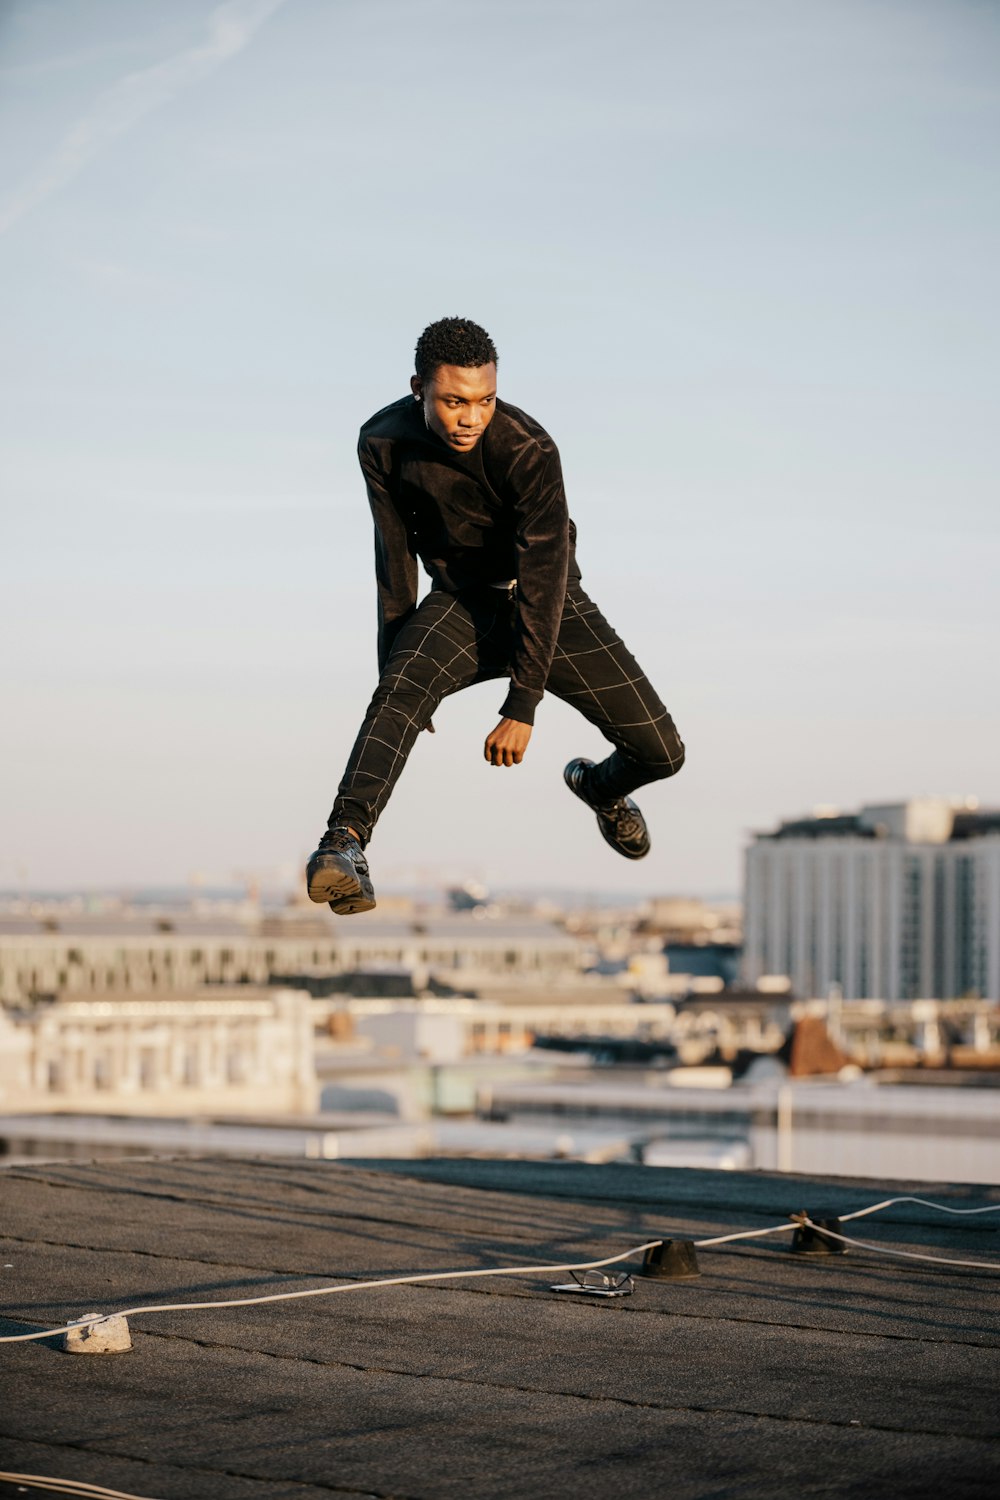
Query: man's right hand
[[506, 744]]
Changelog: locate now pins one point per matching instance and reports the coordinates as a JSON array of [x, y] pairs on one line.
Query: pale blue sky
[[739, 258]]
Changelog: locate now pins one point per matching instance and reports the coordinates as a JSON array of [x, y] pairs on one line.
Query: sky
[[739, 258]]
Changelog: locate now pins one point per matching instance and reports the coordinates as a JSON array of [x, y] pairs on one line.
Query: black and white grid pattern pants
[[454, 640]]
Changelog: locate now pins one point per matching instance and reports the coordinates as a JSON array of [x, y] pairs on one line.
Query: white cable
[[751, 1234], [993, 1208], [935, 1260], [69, 1486], [327, 1291], [744, 1234], [354, 1286]]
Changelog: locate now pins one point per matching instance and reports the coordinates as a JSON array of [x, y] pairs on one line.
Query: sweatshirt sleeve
[[395, 556], [542, 540]]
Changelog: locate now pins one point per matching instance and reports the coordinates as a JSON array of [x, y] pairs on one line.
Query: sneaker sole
[[351, 896], [336, 882], [567, 777], [350, 906], [330, 883], [346, 892]]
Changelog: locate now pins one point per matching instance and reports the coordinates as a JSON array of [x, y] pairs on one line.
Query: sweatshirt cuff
[[520, 704]]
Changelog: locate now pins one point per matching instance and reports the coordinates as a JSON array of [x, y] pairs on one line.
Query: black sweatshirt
[[476, 518]]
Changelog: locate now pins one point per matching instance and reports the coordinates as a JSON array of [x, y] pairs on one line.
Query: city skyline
[[740, 266]]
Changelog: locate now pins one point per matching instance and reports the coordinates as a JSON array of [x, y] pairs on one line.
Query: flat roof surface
[[772, 1375], [376, 928]]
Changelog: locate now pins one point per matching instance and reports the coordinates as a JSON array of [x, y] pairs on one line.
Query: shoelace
[[337, 838], [344, 842], [627, 825]]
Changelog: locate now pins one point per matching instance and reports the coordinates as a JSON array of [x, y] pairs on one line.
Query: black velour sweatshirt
[[476, 518]]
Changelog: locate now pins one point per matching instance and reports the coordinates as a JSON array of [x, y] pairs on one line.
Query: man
[[473, 488]]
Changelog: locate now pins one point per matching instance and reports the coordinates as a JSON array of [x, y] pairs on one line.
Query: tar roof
[[771, 1375]]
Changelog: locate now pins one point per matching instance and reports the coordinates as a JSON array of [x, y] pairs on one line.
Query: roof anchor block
[[809, 1238], [671, 1260], [101, 1333]]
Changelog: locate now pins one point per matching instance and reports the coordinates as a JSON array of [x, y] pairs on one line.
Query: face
[[458, 403]]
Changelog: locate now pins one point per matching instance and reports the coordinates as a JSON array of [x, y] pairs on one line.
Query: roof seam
[[531, 1390], [670, 1312], [159, 1463], [329, 1211]]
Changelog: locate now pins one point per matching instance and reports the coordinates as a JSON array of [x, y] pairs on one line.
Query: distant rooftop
[[361, 931], [773, 1375], [921, 820]]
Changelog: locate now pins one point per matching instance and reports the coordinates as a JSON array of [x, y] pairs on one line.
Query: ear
[[417, 387]]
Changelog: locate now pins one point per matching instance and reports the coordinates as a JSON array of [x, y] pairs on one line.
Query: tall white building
[[895, 902]]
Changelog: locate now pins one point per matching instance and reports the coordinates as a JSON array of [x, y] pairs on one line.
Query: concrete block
[[99, 1335]]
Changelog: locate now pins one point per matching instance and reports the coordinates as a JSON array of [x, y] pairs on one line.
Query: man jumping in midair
[[472, 487]]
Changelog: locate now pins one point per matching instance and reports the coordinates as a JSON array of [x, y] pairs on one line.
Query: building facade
[[895, 902], [234, 1051], [76, 958]]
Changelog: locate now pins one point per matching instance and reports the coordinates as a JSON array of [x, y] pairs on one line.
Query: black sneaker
[[338, 873], [621, 822]]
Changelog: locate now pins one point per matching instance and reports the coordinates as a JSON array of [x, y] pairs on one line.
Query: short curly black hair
[[453, 341]]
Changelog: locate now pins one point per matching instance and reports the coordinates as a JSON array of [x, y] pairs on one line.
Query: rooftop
[[921, 820], [138, 926], [773, 1374]]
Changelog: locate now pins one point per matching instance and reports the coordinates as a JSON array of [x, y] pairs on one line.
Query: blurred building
[[224, 1051], [858, 1128], [898, 902], [688, 921], [74, 955]]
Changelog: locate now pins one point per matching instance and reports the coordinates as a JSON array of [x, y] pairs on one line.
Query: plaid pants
[[454, 640]]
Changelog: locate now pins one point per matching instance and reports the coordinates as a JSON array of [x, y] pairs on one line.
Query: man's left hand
[[506, 744]]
